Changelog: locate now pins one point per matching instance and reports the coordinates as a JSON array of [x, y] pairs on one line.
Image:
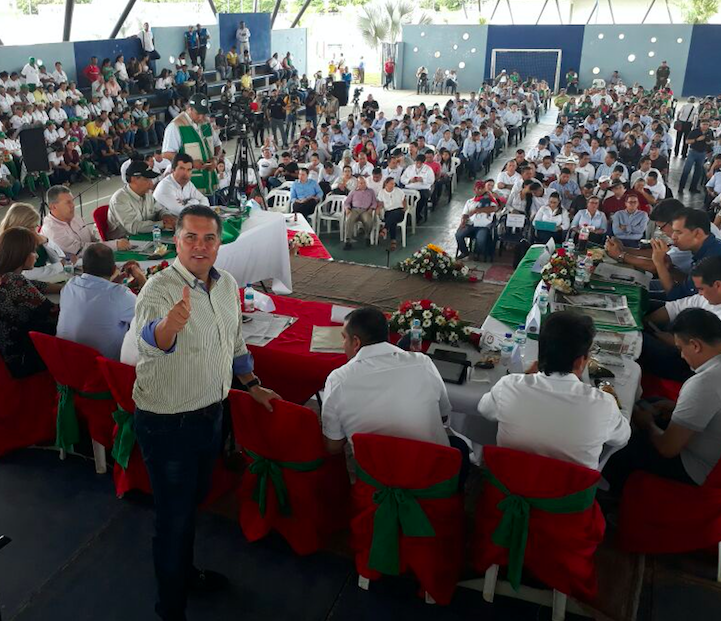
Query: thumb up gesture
[[180, 313]]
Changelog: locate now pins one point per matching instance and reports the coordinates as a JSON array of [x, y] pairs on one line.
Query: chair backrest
[[281, 200], [400, 462], [100, 216], [333, 204], [412, 197], [289, 433], [404, 147], [286, 185], [456, 162], [70, 364], [120, 379]]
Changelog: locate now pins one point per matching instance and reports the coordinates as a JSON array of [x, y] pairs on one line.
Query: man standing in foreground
[[190, 344]]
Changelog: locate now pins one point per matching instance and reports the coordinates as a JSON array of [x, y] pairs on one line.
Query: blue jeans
[[481, 236], [179, 451], [695, 160]]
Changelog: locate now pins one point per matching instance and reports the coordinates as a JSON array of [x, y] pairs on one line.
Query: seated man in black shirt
[[700, 142]]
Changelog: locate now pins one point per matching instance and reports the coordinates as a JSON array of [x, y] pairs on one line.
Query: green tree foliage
[[698, 11], [383, 21], [30, 7]]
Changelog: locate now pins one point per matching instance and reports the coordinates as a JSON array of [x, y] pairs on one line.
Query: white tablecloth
[[260, 252], [465, 397]]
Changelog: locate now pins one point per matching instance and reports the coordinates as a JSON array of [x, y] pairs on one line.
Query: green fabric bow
[[270, 469], [124, 439], [398, 506], [67, 427], [512, 531]]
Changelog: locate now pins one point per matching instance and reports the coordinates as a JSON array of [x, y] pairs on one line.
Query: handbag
[[678, 125], [154, 55]]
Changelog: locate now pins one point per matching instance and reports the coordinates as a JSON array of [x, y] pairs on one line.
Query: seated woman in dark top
[[23, 305]]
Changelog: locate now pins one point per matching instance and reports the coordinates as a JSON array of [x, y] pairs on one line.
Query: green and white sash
[[199, 145]]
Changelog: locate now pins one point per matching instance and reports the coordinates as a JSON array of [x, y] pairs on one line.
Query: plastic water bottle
[[68, 268], [506, 350], [543, 299], [249, 299], [416, 336], [571, 248], [243, 203], [519, 340], [580, 280], [156, 235], [588, 271]]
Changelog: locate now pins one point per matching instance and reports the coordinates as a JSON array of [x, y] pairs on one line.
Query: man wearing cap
[[190, 133], [176, 191], [133, 209], [31, 73]]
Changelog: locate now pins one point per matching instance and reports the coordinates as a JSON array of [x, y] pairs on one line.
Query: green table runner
[[517, 297], [231, 230]]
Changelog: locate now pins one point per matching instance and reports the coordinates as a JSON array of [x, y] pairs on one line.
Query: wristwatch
[[622, 257], [252, 384]]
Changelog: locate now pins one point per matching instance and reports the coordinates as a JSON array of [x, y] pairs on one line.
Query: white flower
[[466, 330], [409, 313], [440, 320], [464, 271], [452, 337], [427, 314], [435, 274], [427, 323], [453, 323], [401, 320]]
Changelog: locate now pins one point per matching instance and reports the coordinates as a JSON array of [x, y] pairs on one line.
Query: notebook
[[327, 340]]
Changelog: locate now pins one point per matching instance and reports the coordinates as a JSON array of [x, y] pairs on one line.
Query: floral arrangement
[[439, 324], [154, 269], [301, 240], [560, 271], [434, 263]]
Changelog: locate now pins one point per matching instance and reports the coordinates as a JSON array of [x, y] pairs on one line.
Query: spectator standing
[[662, 75], [389, 69], [202, 34], [242, 38]]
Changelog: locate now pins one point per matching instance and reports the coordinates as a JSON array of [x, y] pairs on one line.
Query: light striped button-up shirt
[[198, 369]]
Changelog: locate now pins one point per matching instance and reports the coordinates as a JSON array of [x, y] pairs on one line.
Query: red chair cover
[[27, 413], [100, 216], [662, 516], [121, 378], [318, 499], [560, 547], [74, 365], [654, 386], [437, 561]]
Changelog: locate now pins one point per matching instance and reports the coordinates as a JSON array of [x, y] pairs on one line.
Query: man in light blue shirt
[[94, 310], [305, 194], [566, 187], [609, 165], [629, 225]]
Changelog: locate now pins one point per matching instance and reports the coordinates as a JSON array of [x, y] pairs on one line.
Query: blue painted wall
[[421, 43], [259, 25], [569, 39], [703, 72], [603, 48], [295, 41], [14, 57], [170, 41], [109, 48]]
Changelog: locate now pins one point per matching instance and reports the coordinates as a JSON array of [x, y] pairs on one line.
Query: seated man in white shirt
[[660, 356], [384, 390], [551, 412], [177, 191], [680, 441], [419, 176]]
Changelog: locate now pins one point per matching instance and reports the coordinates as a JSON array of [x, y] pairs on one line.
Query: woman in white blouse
[[50, 263], [394, 207], [554, 213], [507, 178]]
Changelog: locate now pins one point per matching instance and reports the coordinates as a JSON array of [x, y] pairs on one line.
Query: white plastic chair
[[412, 198], [403, 224], [286, 185], [281, 200], [329, 211], [403, 148]]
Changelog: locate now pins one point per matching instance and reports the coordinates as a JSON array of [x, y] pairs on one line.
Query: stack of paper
[[339, 313], [264, 327], [622, 275], [327, 340]]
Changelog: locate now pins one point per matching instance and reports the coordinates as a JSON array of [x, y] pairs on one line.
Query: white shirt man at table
[[190, 342], [67, 229], [551, 412], [419, 176], [177, 191], [680, 441], [95, 310], [385, 390], [133, 209]]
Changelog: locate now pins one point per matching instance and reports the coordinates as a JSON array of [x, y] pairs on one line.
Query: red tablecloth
[[316, 251], [286, 364]]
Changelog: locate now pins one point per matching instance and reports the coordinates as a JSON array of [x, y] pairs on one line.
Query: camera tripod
[[356, 108], [243, 160]]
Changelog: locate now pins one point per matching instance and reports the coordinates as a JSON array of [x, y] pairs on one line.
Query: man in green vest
[[191, 133]]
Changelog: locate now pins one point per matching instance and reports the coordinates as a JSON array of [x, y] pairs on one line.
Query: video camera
[[357, 93]]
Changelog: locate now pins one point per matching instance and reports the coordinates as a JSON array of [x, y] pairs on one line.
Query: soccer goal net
[[541, 64]]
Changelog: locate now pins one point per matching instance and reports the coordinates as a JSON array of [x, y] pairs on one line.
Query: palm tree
[[698, 11], [383, 21]]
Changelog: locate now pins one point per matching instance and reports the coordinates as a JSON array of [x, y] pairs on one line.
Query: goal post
[[541, 64]]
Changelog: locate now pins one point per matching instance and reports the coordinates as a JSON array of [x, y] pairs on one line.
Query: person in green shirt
[[561, 99], [572, 81]]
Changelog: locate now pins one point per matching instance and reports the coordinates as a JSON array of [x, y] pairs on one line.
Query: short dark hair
[[667, 210], [99, 260], [181, 157], [564, 337], [201, 211], [708, 270], [565, 171], [697, 323], [695, 219], [16, 244], [368, 324]]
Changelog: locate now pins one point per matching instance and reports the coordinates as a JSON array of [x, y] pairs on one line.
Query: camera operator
[[370, 107]]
